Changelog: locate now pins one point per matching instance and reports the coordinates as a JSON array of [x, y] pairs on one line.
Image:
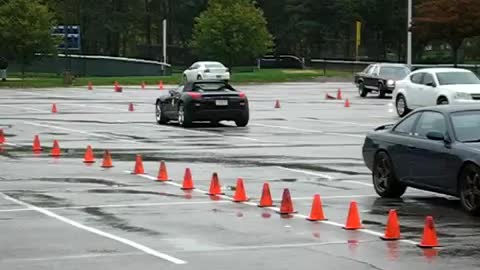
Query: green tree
[[231, 31], [25, 29], [448, 21]]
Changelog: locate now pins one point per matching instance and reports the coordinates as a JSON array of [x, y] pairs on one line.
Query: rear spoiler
[[384, 127]]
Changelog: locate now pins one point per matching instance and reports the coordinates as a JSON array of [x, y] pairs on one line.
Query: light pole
[[409, 33]]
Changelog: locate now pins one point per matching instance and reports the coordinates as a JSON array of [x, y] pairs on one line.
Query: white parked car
[[206, 71], [436, 86]]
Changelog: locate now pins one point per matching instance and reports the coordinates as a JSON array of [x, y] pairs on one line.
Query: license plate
[[221, 102], [219, 76]]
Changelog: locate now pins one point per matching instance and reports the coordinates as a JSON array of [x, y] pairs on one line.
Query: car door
[[414, 90], [370, 79], [428, 92], [433, 161], [402, 137], [171, 102]]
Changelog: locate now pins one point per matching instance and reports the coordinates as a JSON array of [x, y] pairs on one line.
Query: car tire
[[442, 101], [401, 106], [384, 179], [469, 184], [381, 91], [159, 114], [184, 117], [362, 91], [242, 122]]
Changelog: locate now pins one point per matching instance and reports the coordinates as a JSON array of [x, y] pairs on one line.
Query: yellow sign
[[359, 33]]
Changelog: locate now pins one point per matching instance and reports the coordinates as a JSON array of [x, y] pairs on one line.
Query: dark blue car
[[435, 149]]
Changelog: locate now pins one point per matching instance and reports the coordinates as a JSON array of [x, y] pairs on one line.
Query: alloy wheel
[[382, 173]]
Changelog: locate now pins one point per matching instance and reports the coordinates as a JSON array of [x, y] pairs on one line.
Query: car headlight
[[390, 83], [461, 95]]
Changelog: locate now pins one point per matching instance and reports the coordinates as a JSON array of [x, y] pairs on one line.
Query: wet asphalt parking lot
[[63, 214]]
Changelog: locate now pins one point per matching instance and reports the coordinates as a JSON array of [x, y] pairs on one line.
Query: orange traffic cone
[[54, 108], [329, 97], [143, 85], [107, 160], [339, 94], [117, 87], [240, 194], [353, 219], [317, 211], [429, 239], [266, 199], [160, 85], [89, 157], [286, 206], [187, 180], [277, 104], [347, 103], [215, 188], [392, 230], [90, 86], [56, 152], [2, 137], [138, 165], [162, 172], [131, 108], [36, 144]]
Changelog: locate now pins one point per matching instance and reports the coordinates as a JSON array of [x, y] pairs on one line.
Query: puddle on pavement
[[116, 222]]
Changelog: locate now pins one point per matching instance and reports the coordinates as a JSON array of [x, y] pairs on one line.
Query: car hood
[[465, 88]]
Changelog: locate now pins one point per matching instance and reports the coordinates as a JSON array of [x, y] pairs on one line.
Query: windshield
[[212, 87], [448, 78], [467, 126], [395, 73], [214, 66]]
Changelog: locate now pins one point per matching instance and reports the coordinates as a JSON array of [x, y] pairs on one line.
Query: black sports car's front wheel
[[362, 91], [385, 182], [470, 189], [184, 117], [159, 115]]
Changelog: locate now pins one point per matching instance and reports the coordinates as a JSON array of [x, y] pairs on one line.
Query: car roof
[[208, 62], [391, 65], [442, 70], [450, 108]]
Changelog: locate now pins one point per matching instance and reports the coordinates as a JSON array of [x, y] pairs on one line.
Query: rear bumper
[[219, 114], [214, 76]]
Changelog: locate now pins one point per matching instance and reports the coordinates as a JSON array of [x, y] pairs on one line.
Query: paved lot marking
[[96, 231], [71, 257], [310, 130], [326, 176], [276, 209], [114, 206], [24, 107], [332, 197]]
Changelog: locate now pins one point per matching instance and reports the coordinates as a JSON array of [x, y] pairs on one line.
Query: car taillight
[[242, 95], [195, 95]]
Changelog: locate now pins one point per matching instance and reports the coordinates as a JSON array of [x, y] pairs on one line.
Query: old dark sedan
[[212, 101], [380, 78], [434, 148]]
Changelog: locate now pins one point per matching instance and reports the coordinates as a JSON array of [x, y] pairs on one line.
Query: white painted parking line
[[333, 197], [24, 107], [276, 209], [115, 206], [311, 131], [71, 257], [97, 231], [326, 176]]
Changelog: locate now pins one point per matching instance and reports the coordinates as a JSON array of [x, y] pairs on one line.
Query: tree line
[[245, 29]]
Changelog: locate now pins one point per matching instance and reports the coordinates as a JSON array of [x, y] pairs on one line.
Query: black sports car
[[435, 149], [212, 101]]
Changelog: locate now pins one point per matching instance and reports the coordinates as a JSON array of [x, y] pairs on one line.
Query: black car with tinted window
[[380, 78], [212, 100]]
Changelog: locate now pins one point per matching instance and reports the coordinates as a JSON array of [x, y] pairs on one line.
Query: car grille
[[476, 96]]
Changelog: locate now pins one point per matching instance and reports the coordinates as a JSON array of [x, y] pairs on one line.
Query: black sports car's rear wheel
[[184, 117], [362, 91], [385, 182], [159, 115], [242, 122], [470, 189]]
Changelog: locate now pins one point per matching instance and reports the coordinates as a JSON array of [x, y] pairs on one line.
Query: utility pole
[[409, 33], [164, 45]]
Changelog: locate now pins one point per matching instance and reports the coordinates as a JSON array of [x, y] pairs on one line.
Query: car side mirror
[[435, 136], [172, 92], [431, 84]]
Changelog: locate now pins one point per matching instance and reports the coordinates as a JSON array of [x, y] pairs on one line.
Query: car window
[[448, 78], [406, 126], [466, 126], [213, 66], [376, 70], [417, 78], [212, 87], [428, 79], [393, 72], [430, 121], [367, 69]]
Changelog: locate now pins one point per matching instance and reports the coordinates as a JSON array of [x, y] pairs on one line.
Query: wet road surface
[[63, 214]]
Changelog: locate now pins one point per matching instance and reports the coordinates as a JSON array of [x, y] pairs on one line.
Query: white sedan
[[436, 86], [206, 71]]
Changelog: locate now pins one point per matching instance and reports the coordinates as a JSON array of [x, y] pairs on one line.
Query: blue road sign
[[73, 37]]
